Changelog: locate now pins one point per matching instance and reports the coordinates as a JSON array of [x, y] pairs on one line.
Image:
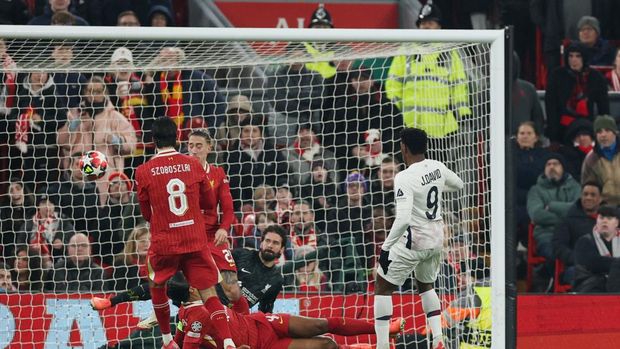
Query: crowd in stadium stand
[[325, 171]]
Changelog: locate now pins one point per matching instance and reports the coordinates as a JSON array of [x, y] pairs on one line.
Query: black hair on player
[[164, 132], [414, 139], [275, 229], [178, 291]]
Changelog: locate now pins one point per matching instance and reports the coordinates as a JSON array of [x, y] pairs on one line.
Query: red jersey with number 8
[[173, 189]]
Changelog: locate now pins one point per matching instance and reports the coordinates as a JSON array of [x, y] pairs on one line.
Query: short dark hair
[[608, 211], [127, 13], [593, 184], [414, 139], [164, 132], [275, 229], [63, 18], [178, 291]]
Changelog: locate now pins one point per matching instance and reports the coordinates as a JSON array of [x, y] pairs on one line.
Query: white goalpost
[[304, 122]]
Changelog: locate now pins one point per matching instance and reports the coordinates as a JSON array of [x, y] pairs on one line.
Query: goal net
[[306, 126]]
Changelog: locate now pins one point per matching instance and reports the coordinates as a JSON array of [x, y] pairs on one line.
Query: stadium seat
[[558, 286], [532, 259]]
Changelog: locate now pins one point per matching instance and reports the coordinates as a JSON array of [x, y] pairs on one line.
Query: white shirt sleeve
[[453, 182], [404, 207]]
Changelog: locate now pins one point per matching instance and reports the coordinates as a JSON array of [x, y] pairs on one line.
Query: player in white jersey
[[416, 239]]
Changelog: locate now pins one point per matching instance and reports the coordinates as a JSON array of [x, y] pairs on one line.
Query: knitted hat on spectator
[[580, 126], [356, 177], [605, 122], [589, 21], [559, 157], [123, 177]]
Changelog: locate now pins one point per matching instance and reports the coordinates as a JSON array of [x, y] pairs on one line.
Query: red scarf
[[174, 99], [22, 129], [309, 238], [585, 150], [39, 236], [9, 82], [577, 104]]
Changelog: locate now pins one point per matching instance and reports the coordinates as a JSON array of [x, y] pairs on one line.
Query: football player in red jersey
[[200, 145], [172, 190], [263, 330]]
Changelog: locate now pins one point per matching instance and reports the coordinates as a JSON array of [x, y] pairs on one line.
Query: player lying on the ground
[[262, 330]]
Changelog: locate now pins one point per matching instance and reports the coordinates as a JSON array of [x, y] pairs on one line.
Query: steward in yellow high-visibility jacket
[[321, 19], [430, 89]]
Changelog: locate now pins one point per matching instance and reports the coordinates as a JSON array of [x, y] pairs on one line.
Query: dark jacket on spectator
[[525, 103], [12, 218], [560, 90], [125, 277], [245, 173], [529, 164], [76, 202], [67, 277], [70, 85], [46, 18], [13, 12], [115, 222], [602, 53], [592, 269], [573, 155], [576, 224]]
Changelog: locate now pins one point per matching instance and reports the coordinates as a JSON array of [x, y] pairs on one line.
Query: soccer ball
[[93, 165]]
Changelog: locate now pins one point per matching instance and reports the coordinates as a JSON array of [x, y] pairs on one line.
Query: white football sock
[[383, 315], [432, 306]]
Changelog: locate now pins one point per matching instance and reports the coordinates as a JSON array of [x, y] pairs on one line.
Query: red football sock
[[348, 326], [219, 319], [161, 307], [241, 306]]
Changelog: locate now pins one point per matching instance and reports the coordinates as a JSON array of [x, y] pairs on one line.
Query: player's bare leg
[[162, 312], [305, 327], [219, 319], [432, 309], [313, 343], [383, 311], [230, 285]]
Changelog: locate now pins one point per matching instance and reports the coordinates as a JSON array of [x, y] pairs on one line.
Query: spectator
[[548, 202], [68, 84], [263, 220], [8, 86], [298, 95], [284, 204], [77, 198], [127, 19], [573, 92], [263, 199], [17, 207], [602, 163], [160, 16], [578, 143], [382, 187], [346, 230], [117, 218], [303, 230], [49, 11], [6, 280], [76, 272], [38, 118], [599, 50], [530, 160], [579, 221], [302, 153], [320, 191], [309, 278], [253, 161], [13, 12], [29, 269], [126, 94], [184, 94], [47, 231], [130, 266], [525, 103], [239, 108], [613, 76], [370, 153], [598, 253], [63, 18]]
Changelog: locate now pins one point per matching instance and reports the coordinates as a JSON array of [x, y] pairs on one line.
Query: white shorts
[[425, 264]]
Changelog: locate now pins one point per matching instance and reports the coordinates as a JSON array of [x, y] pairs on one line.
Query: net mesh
[[308, 134]]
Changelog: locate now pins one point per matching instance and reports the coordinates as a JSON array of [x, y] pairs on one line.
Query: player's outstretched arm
[[139, 293]]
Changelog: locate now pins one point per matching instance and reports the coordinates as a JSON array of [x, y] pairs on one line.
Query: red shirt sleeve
[[143, 193], [197, 328], [225, 201]]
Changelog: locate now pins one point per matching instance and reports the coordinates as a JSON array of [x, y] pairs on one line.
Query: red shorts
[[198, 267], [275, 326], [222, 257]]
